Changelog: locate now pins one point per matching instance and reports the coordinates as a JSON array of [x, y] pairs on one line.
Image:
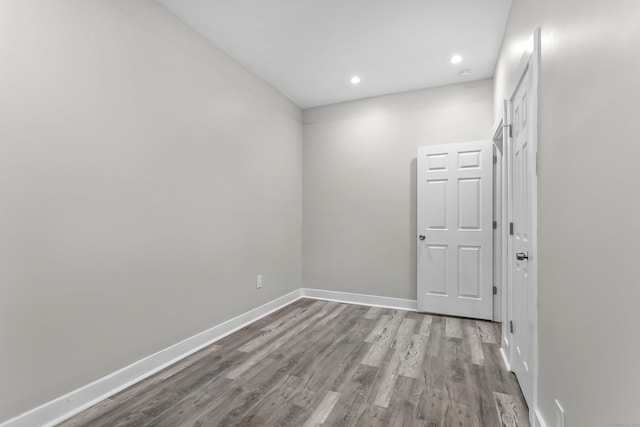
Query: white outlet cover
[[258, 281], [559, 415]]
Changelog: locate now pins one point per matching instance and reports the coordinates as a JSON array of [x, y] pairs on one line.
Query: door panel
[[469, 159], [469, 209], [455, 257], [437, 271], [437, 161], [470, 272], [436, 213]]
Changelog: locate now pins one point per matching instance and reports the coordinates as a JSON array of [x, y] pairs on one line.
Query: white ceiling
[[309, 49]]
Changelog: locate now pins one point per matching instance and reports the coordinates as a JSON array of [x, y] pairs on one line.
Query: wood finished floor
[[325, 363]]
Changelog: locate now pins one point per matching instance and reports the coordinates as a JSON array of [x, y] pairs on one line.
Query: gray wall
[[145, 179], [359, 197], [588, 203]]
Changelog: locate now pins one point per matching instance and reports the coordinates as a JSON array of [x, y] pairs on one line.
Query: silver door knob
[[421, 237]]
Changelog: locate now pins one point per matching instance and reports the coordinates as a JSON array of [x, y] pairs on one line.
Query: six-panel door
[[455, 218], [523, 163]]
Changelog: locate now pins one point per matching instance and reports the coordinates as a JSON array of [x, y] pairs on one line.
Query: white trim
[[497, 232], [498, 125], [361, 299], [505, 359], [503, 228], [63, 407], [535, 66], [538, 420]]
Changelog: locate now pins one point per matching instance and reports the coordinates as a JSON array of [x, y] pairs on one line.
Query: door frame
[[530, 61], [500, 218]]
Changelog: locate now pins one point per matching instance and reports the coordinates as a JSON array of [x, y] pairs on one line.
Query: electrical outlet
[[258, 281], [559, 415]]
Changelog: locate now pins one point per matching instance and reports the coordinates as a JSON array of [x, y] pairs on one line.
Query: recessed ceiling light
[[465, 73], [456, 59], [355, 80]]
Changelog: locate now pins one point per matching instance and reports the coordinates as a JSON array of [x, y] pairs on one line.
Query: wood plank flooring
[[324, 363]]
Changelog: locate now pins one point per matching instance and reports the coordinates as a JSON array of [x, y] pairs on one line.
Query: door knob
[[421, 237], [520, 256]]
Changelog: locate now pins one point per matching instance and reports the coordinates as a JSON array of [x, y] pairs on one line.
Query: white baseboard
[[505, 359], [538, 420], [535, 417], [63, 407], [361, 299]]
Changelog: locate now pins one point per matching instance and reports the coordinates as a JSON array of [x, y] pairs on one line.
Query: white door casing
[[497, 236], [521, 256], [455, 224], [501, 279]]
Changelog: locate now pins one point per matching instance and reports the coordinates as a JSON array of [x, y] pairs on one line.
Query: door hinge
[[495, 225], [511, 326], [495, 160], [511, 229], [495, 290], [509, 128]]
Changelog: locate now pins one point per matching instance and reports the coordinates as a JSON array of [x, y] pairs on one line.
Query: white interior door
[[455, 221], [523, 163]]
